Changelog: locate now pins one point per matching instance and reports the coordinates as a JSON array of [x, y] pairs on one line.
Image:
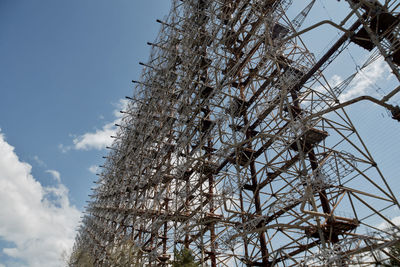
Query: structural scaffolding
[[236, 147]]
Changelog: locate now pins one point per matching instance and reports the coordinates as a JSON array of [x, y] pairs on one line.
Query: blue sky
[[64, 68]]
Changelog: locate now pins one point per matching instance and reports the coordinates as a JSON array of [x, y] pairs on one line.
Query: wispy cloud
[[63, 148], [100, 138], [39, 162], [386, 225], [38, 221], [56, 175]]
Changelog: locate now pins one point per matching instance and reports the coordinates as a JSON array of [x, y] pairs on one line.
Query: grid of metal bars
[[225, 148]]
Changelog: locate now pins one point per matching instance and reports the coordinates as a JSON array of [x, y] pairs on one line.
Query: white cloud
[[94, 169], [39, 221], [56, 175], [97, 140], [363, 82], [101, 137], [121, 105]]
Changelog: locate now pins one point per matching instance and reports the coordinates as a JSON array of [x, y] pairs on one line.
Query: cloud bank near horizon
[[38, 221]]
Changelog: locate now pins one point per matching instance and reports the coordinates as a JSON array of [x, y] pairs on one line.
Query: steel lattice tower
[[236, 147]]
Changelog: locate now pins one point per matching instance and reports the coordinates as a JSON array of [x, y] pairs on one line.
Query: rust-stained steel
[[234, 147]]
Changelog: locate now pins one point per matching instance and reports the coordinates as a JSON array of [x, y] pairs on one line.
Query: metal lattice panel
[[234, 147]]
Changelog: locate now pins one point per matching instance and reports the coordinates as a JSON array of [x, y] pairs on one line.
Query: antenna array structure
[[225, 148]]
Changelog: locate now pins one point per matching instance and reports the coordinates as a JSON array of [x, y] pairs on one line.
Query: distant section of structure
[[236, 147]]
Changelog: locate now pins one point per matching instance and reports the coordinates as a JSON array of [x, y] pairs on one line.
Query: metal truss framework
[[236, 147]]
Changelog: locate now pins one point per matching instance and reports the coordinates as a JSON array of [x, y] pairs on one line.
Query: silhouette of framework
[[236, 147]]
